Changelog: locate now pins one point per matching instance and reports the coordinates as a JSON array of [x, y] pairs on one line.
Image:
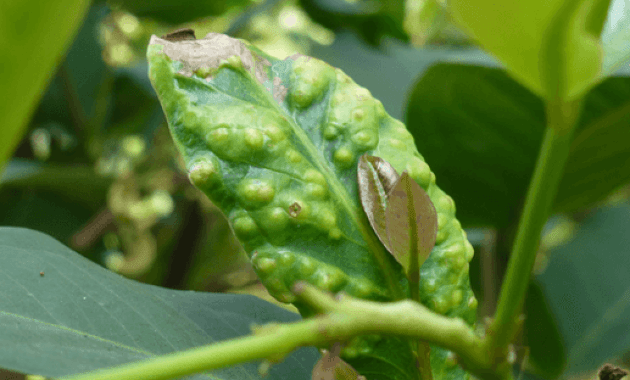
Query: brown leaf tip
[[184, 34], [210, 52]]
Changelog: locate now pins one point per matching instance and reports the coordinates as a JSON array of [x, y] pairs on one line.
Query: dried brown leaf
[[331, 367]]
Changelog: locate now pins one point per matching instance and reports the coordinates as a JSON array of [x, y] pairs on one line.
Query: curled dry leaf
[[184, 34], [331, 367], [410, 220], [376, 177]]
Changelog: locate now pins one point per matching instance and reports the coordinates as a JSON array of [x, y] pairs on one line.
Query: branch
[[342, 318]]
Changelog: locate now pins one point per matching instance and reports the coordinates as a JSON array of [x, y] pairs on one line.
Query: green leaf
[[275, 144], [30, 49], [411, 221], [178, 12], [547, 354], [481, 131], [599, 161], [586, 287], [371, 19], [552, 47], [62, 314]]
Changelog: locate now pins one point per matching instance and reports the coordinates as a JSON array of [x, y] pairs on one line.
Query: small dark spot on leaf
[[184, 34], [294, 209], [41, 273]]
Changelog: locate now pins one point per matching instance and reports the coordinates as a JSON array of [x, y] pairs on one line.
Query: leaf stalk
[[561, 121]]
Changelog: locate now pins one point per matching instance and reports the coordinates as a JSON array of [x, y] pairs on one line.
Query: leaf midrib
[[338, 190]]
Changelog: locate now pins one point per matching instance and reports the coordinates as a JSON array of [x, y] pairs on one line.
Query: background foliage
[[96, 168]]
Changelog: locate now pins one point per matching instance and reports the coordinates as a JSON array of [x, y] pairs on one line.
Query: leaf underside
[[275, 144]]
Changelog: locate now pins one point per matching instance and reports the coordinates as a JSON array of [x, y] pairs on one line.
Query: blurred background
[[97, 168]]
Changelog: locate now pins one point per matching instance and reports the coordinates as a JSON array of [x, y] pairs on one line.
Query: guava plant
[[338, 211]]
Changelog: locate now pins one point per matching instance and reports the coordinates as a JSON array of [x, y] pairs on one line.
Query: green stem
[[344, 318], [561, 118]]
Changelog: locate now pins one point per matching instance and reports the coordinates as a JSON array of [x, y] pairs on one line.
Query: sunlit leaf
[[552, 47]]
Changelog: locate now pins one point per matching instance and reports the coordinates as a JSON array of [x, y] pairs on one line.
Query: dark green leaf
[[599, 161], [261, 136], [586, 287], [62, 314], [372, 19], [480, 131], [411, 221], [375, 179], [178, 12], [547, 354]]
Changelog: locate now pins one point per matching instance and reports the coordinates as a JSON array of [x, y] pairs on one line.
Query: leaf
[[375, 179], [547, 353], [371, 19], [592, 172], [29, 53], [482, 131], [552, 47], [411, 221], [402, 62], [178, 12], [62, 314], [586, 287], [262, 136]]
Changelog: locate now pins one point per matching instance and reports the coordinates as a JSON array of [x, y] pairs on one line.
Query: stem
[[345, 317], [561, 118]]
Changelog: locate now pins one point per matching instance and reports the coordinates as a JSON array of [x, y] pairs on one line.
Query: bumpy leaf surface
[[275, 144]]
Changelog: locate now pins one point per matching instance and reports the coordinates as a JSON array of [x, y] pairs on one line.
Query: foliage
[[98, 171]]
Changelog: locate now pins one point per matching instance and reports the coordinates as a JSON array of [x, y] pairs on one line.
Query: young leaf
[[411, 222], [376, 177]]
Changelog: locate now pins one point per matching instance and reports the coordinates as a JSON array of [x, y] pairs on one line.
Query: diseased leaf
[[411, 222], [266, 138], [375, 178]]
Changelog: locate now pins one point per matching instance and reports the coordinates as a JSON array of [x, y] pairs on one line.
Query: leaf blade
[[411, 222], [79, 317], [376, 178], [260, 136]]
